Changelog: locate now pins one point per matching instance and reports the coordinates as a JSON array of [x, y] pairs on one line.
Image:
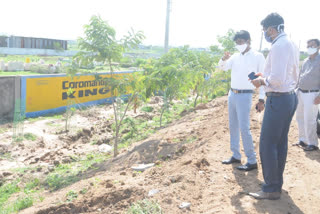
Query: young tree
[[101, 45], [167, 75]]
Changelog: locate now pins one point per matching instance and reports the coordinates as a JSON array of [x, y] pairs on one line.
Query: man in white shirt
[[309, 98], [280, 79], [240, 98]]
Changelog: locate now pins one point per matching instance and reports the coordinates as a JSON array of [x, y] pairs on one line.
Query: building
[[34, 43]]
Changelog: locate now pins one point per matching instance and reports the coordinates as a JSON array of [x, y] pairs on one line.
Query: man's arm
[[262, 63], [260, 105], [225, 63]]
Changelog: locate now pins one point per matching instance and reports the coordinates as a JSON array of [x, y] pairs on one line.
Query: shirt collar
[[246, 53], [278, 37], [316, 58]]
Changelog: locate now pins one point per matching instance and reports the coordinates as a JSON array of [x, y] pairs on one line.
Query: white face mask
[[241, 48], [312, 51]]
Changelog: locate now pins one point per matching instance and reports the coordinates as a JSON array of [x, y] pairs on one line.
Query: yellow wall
[[51, 92]]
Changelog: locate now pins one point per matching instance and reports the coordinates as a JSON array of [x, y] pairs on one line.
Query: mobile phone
[[252, 76]]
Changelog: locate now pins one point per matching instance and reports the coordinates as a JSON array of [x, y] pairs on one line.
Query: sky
[[193, 22]]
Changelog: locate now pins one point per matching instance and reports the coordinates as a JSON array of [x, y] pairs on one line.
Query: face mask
[[312, 51], [268, 38], [241, 48]]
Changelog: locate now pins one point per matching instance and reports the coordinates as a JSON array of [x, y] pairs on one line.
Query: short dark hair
[[242, 34], [273, 20], [317, 41]]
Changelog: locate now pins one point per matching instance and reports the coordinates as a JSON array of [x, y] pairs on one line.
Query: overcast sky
[[193, 22]]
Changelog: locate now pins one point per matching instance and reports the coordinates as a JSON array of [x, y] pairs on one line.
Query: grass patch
[[83, 191], [71, 195], [23, 169], [6, 156], [30, 187], [3, 130], [190, 139], [147, 109], [145, 207], [54, 116], [30, 136], [19, 204], [23, 201], [66, 174], [13, 73], [5, 193], [7, 190], [140, 129]]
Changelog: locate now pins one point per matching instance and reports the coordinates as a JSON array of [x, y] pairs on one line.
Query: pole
[[166, 41], [261, 42]]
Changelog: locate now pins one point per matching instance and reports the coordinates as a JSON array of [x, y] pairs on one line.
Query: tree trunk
[[162, 111], [195, 101], [115, 147], [135, 104]]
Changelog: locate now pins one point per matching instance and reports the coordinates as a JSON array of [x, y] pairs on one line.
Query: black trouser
[[274, 139]]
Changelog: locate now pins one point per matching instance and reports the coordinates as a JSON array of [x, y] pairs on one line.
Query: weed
[[71, 195], [41, 198], [6, 156], [29, 187], [22, 203], [145, 206], [83, 191], [147, 109], [22, 169], [190, 139], [66, 174], [3, 130], [30, 136], [6, 191]]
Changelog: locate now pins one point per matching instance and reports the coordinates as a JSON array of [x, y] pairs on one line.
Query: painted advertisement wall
[[45, 94]]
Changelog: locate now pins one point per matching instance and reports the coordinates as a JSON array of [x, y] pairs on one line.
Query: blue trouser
[[274, 139], [239, 106]]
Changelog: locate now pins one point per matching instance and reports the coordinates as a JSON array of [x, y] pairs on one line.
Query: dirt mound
[[113, 201]]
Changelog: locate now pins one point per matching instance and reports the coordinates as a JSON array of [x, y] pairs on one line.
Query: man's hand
[[260, 106], [317, 100], [258, 82], [226, 56]]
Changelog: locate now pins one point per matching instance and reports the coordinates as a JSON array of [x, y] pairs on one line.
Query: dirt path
[[189, 154]]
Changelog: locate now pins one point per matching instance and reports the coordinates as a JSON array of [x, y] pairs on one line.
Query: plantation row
[[180, 74]]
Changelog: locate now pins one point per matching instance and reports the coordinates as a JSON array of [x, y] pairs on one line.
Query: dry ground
[[188, 154]]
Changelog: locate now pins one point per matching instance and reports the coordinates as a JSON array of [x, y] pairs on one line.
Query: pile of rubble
[[39, 67]]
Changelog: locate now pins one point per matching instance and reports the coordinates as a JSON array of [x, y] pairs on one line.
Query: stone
[[15, 66], [5, 174], [153, 192], [142, 167], [2, 66], [104, 148], [27, 66], [185, 205], [56, 162]]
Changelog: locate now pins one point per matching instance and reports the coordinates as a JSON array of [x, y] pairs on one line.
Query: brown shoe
[[265, 195]]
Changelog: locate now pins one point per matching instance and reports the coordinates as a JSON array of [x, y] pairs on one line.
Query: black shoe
[[300, 144], [310, 148], [231, 160], [248, 167]]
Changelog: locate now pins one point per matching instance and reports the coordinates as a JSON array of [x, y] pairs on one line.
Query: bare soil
[[188, 156]]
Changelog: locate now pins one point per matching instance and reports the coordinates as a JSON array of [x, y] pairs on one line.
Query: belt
[[308, 91], [277, 94], [241, 91]]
